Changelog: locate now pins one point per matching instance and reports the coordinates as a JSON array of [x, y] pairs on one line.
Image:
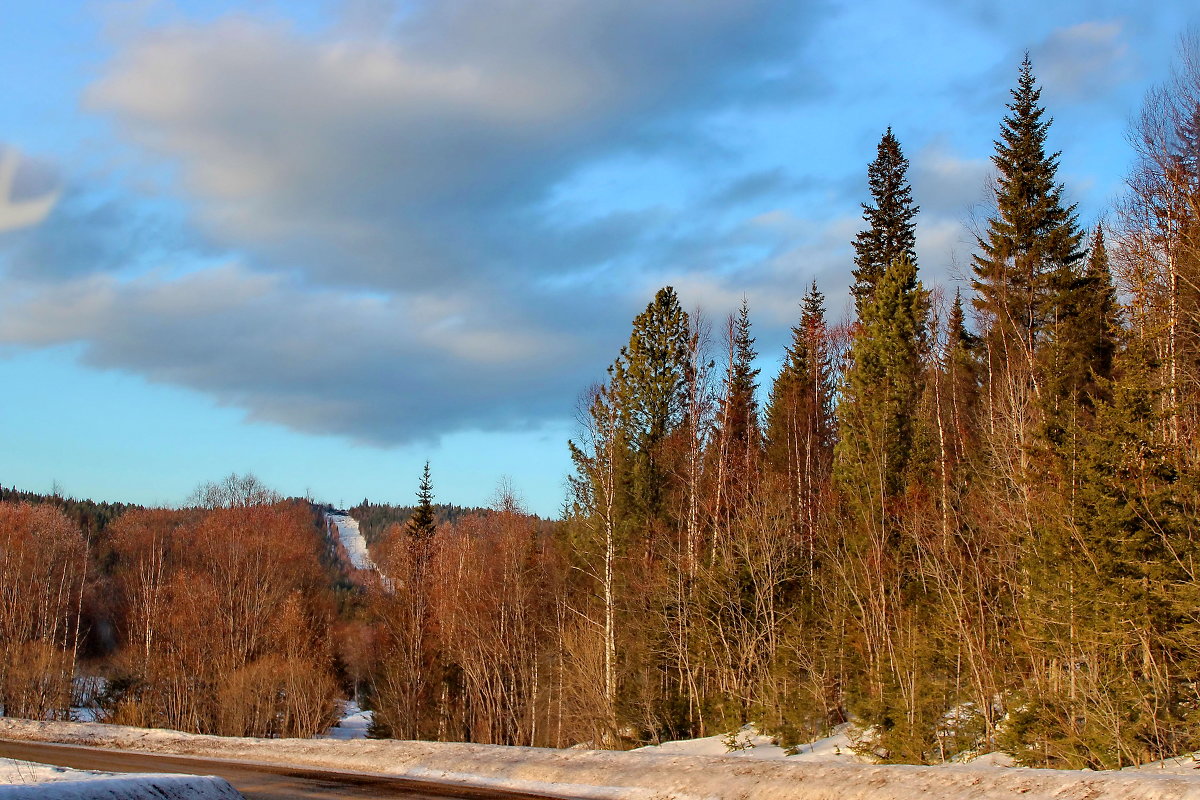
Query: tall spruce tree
[[1032, 239], [891, 232], [422, 525]]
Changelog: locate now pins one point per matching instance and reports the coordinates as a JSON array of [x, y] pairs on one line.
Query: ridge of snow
[[26, 780], [631, 776]]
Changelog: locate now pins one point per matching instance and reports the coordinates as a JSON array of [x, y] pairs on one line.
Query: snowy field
[[352, 539], [24, 779], [652, 774]]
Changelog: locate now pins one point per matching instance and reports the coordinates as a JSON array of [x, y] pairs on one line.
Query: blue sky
[[325, 241]]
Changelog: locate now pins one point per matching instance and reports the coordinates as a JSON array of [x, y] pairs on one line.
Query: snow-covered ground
[[352, 723], [639, 775], [352, 539], [25, 779], [749, 743], [838, 747]]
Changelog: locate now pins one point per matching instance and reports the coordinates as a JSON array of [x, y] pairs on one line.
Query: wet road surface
[[255, 781]]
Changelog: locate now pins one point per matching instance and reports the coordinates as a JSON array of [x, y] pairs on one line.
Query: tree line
[[964, 523]]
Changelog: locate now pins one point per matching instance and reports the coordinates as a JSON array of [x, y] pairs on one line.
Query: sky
[[328, 240]]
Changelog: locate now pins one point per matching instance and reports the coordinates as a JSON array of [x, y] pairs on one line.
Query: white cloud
[[22, 209]]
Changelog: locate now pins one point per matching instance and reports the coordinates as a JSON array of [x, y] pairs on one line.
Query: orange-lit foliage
[[223, 627], [42, 563]]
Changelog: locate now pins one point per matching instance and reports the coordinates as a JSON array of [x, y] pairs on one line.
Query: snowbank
[[25, 779], [749, 743], [630, 776]]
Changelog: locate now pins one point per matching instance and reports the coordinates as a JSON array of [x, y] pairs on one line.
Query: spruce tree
[[878, 408], [891, 233], [875, 463], [1032, 238], [648, 386], [799, 417], [1082, 340], [1112, 596], [422, 525], [963, 354], [740, 424]]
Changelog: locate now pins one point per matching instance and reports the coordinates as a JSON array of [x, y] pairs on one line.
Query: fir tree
[[891, 233], [421, 525], [1032, 238]]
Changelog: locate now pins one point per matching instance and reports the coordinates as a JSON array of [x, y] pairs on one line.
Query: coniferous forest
[[964, 522]]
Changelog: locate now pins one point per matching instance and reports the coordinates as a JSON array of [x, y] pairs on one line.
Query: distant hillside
[[92, 517], [375, 518]]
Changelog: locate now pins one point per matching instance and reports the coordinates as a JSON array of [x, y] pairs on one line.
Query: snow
[[352, 724], [25, 779], [352, 539], [643, 775], [749, 743]]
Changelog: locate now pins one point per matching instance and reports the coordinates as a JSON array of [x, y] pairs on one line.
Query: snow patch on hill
[[632, 776], [352, 539], [24, 779]]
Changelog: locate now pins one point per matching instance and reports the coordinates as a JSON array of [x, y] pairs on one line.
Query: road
[[255, 781]]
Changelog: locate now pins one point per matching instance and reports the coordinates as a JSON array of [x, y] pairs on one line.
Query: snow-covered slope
[[24, 779], [634, 776], [352, 539]]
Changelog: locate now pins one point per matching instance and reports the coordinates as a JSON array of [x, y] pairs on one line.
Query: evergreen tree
[[962, 367], [875, 463], [1032, 238], [740, 425], [878, 408], [648, 386], [1113, 595], [891, 233], [422, 525], [1082, 340], [799, 418]]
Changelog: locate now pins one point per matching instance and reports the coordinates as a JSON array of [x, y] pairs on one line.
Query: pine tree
[[422, 525], [891, 233], [1032, 238]]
